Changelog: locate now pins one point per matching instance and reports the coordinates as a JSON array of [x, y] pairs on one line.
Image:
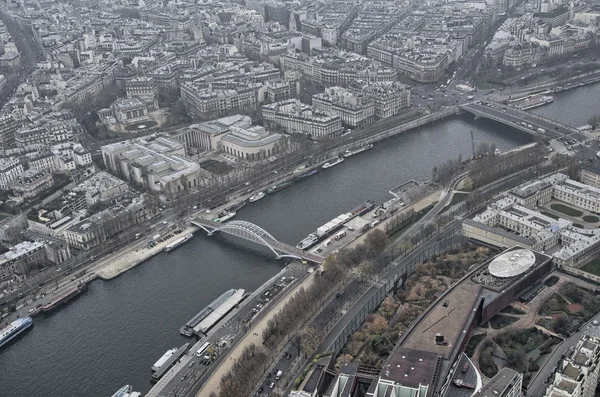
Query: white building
[[158, 163], [577, 375], [10, 169], [354, 109], [294, 117]]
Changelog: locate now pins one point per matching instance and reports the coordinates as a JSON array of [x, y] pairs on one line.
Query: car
[[164, 222], [260, 389], [31, 310], [190, 365], [272, 385], [268, 374]]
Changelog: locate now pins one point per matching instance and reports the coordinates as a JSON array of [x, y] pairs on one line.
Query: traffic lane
[[517, 117], [282, 365]]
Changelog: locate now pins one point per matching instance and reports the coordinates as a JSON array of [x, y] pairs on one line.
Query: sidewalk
[[111, 266], [213, 383]]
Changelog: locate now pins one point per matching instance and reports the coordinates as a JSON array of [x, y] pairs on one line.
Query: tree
[[296, 342], [311, 338], [562, 325], [376, 241], [366, 270], [378, 324], [516, 360], [594, 121]]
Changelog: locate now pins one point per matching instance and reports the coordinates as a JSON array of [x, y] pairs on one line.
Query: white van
[[279, 374], [327, 242], [340, 235]]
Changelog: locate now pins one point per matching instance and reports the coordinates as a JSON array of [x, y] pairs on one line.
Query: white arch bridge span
[[256, 234]]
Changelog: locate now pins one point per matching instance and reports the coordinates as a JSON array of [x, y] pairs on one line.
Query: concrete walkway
[[111, 266], [254, 336]]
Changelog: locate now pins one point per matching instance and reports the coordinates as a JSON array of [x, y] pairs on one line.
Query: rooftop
[[501, 384], [447, 318]]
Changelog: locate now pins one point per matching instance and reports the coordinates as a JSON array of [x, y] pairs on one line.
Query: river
[[111, 335]]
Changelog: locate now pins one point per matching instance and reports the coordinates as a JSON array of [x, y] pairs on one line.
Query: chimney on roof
[[439, 339]]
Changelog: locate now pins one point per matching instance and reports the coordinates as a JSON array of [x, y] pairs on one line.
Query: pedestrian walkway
[[254, 336], [113, 265]]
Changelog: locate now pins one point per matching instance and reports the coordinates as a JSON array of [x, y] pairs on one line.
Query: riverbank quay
[[110, 267], [564, 84]]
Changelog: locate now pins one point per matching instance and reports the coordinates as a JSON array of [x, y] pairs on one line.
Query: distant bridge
[[256, 234], [515, 118]]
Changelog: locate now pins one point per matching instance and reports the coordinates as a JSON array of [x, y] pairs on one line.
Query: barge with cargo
[[334, 225], [358, 150], [174, 358], [178, 242], [279, 187], [163, 359], [63, 297], [202, 322]]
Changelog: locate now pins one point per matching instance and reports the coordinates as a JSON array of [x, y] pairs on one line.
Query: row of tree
[[492, 168]]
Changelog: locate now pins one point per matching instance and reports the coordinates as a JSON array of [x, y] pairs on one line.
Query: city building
[[590, 175], [101, 187], [389, 97], [103, 226], [294, 117], [577, 373], [10, 169], [428, 353], [57, 251], [515, 218], [21, 258], [143, 88], [155, 162], [506, 383], [252, 143], [32, 182], [208, 103], [8, 127], [207, 135], [354, 109], [130, 110]]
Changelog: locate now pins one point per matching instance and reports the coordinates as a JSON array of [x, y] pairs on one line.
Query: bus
[[202, 349]]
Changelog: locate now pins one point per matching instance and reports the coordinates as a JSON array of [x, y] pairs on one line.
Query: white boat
[[361, 149], [257, 197], [123, 392], [534, 102], [334, 162], [178, 242], [308, 242], [225, 217], [163, 359]]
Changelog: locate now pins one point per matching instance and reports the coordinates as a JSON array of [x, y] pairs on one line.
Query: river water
[[111, 335]]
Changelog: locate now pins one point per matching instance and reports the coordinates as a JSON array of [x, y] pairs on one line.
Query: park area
[[592, 267], [567, 309], [372, 342], [522, 350], [581, 218]]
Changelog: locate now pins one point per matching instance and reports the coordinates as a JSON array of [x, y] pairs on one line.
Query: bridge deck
[[513, 117], [277, 245]]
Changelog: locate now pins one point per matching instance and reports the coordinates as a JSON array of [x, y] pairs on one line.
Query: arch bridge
[[256, 234]]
